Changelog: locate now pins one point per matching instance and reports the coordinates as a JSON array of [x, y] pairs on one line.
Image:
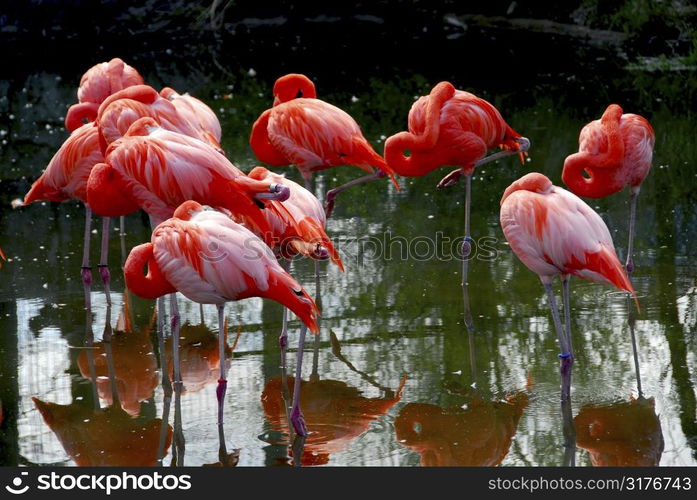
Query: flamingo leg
[[568, 430], [566, 354], [166, 383], [466, 244], [329, 201], [632, 229], [318, 301], [466, 252], [283, 338], [632, 323], [179, 442], [85, 269], [222, 381], [567, 310], [122, 238], [453, 177], [104, 259], [296, 415]]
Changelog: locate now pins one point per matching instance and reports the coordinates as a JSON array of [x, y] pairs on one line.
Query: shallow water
[[486, 397]]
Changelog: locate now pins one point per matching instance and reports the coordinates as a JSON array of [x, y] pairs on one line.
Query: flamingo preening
[[452, 127], [211, 260], [313, 135], [98, 83], [614, 151], [555, 233]]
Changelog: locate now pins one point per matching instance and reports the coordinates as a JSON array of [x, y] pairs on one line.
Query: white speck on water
[[45, 285], [458, 372], [431, 216], [94, 231], [464, 406], [354, 98], [252, 72]]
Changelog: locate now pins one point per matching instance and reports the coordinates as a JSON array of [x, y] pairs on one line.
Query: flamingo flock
[[220, 234]]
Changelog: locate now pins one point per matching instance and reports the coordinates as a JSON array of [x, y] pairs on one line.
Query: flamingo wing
[[66, 175]]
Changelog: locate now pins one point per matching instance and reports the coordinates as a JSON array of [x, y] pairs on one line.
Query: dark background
[[583, 52]]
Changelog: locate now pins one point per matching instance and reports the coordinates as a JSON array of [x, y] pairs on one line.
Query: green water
[[487, 396]]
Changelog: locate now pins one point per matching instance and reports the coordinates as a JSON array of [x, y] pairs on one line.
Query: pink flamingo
[[614, 152], [553, 232], [98, 83], [313, 242], [210, 259], [313, 135], [452, 127], [184, 114], [156, 170], [65, 178]]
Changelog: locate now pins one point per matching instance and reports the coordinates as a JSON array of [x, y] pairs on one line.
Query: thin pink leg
[[296, 415], [85, 269], [104, 259], [329, 202]]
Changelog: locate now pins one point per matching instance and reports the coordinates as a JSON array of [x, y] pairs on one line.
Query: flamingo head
[[293, 86]]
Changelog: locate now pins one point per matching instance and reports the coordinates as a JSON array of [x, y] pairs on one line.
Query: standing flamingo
[[615, 151], [157, 170], [313, 135], [98, 83], [184, 114], [211, 260], [311, 242], [65, 178], [553, 232], [452, 127]]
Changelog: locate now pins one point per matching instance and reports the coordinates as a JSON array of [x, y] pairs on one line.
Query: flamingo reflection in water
[[95, 436], [627, 433], [478, 433], [336, 412], [199, 356], [134, 364], [103, 437]]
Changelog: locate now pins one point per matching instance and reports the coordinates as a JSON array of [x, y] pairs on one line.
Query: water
[[482, 398]]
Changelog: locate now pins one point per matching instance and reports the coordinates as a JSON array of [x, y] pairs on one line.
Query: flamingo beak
[[277, 192]]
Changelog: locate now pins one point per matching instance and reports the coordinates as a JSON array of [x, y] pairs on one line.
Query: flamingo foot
[[297, 419], [451, 179]]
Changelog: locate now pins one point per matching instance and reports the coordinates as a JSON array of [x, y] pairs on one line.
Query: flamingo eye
[[299, 94], [299, 293]]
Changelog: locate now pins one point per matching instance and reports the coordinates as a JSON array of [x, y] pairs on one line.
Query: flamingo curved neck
[[261, 144], [600, 181], [150, 285]]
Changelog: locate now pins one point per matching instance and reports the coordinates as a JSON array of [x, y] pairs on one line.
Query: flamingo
[[98, 83], [65, 178], [157, 170], [312, 242], [210, 259], [553, 232], [452, 127], [614, 151], [313, 135], [184, 114]]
